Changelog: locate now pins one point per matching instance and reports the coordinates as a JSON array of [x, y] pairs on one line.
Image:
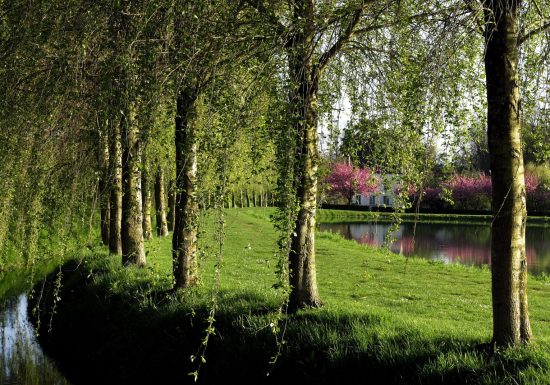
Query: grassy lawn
[[386, 319]]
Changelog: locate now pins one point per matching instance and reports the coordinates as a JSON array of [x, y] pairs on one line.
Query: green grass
[[334, 216], [386, 319]]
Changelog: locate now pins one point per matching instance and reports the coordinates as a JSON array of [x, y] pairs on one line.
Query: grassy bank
[[333, 216], [386, 319]]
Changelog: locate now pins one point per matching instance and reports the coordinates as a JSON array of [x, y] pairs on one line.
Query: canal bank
[[22, 359], [387, 319]]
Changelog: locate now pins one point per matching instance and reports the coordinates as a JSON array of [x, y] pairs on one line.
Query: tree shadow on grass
[[101, 337]]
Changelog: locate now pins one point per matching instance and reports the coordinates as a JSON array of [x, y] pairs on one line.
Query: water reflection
[[22, 361], [464, 243]]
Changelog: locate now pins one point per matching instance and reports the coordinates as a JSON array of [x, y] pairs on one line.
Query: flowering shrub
[[474, 193], [538, 200], [470, 193], [346, 181]]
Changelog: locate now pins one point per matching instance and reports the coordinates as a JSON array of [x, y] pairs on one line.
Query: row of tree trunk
[[126, 215], [246, 198], [126, 197]]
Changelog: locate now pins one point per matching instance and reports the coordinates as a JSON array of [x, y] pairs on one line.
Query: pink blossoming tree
[[346, 181]]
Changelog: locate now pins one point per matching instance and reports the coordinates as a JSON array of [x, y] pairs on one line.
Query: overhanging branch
[[533, 32], [343, 39]]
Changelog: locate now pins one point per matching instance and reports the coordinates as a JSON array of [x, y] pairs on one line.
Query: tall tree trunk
[[147, 200], [104, 190], [133, 251], [241, 199], [184, 241], [115, 199], [247, 195], [303, 275], [171, 219], [160, 209], [508, 263]]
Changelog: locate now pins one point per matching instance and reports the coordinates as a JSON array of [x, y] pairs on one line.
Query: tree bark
[[508, 263], [133, 251], [115, 199], [160, 209], [184, 241], [103, 187], [303, 276], [171, 219], [147, 200]]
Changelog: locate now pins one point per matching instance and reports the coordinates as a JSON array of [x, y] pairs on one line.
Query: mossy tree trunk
[[160, 207], [115, 199], [133, 251], [147, 199], [184, 241], [104, 183], [508, 263], [305, 68], [303, 276], [171, 218]]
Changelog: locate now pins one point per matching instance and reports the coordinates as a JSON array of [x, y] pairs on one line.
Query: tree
[[305, 69], [503, 38], [146, 197], [508, 264], [347, 181], [103, 186], [307, 24], [115, 198], [202, 47], [160, 205]]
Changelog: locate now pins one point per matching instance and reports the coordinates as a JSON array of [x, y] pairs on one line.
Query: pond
[[448, 242], [22, 361]]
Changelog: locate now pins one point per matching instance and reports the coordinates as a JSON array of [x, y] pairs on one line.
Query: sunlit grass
[[395, 319]]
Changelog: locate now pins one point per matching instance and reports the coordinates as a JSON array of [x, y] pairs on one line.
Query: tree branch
[[342, 40], [415, 17], [475, 13], [533, 32], [272, 19]]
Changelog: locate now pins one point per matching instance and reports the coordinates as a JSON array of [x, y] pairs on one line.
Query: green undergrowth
[[21, 277], [386, 319]]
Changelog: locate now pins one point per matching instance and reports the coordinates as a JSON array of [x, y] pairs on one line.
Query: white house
[[383, 196]]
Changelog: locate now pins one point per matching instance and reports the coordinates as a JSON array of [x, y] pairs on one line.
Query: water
[[448, 242], [22, 361]]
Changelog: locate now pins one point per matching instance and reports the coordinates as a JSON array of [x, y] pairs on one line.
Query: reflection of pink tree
[[480, 255], [368, 239], [346, 181], [463, 253], [405, 245]]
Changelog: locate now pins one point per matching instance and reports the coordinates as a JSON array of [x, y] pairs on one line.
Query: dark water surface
[[22, 361], [448, 242]]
